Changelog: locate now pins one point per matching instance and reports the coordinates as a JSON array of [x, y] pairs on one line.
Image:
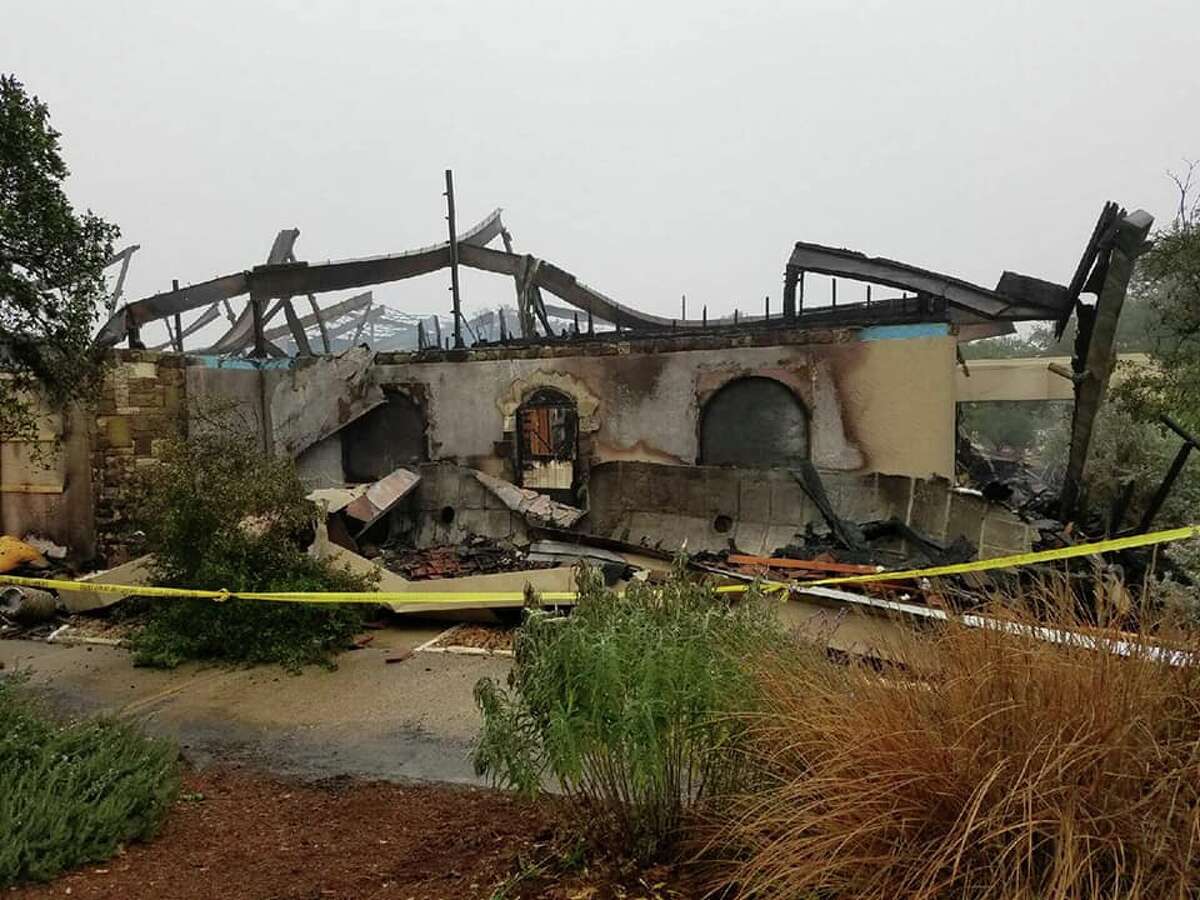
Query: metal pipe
[[178, 338], [458, 339]]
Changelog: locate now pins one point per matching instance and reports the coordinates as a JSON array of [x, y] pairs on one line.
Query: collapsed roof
[[272, 286]]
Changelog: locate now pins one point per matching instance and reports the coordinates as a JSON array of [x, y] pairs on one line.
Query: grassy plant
[[988, 764], [71, 794], [218, 513], [623, 706]]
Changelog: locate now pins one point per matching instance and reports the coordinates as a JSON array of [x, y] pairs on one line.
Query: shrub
[[987, 764], [624, 706], [71, 794], [218, 513]]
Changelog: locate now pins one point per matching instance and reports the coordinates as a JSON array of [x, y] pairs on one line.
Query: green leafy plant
[[51, 269], [219, 514], [74, 793], [624, 705]]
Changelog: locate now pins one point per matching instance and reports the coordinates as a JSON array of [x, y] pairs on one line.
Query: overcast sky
[[652, 148]]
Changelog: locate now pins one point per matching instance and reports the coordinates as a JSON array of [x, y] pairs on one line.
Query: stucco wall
[[875, 405]]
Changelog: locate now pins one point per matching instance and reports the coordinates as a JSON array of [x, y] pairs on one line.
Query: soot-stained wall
[[870, 405]]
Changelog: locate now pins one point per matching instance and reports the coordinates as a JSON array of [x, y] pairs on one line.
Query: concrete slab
[[409, 720], [134, 572]]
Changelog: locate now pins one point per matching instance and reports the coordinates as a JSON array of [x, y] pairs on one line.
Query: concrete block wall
[[451, 492], [761, 510]]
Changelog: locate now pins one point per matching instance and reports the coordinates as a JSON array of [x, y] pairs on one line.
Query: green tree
[[51, 266], [1169, 284]]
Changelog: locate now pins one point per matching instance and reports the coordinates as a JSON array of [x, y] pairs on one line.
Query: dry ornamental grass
[[987, 764]]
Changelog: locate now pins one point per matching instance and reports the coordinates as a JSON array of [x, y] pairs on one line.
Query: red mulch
[[236, 835]]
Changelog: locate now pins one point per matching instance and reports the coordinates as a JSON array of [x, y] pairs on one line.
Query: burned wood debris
[[475, 555]]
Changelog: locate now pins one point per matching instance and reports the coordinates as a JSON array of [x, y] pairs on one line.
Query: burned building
[[658, 432]]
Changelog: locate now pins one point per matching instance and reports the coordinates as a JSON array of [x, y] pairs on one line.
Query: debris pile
[[476, 555]]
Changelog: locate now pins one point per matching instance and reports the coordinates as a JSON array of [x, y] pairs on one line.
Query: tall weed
[[624, 706]]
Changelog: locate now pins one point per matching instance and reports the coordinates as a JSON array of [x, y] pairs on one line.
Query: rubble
[[46, 547], [350, 510], [537, 508], [135, 572], [15, 553], [27, 606], [477, 555]]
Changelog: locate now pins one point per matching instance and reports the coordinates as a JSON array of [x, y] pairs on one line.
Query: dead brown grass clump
[[991, 764]]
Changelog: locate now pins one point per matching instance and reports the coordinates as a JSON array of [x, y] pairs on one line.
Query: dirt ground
[[238, 835]]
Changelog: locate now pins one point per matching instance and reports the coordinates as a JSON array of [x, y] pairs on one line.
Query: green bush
[[71, 794], [218, 513], [625, 706]]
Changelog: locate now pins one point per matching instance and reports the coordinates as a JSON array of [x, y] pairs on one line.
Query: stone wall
[[142, 406]]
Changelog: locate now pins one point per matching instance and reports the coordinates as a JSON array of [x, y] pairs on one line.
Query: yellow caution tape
[[394, 597], [996, 562], [466, 597], [1020, 559]]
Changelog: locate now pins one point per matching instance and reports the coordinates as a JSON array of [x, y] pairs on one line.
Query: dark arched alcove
[[753, 422]]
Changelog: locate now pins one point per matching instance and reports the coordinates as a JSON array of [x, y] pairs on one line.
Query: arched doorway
[[547, 443], [753, 422], [388, 437]]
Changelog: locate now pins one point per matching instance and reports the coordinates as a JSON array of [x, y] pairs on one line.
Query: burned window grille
[[548, 427]]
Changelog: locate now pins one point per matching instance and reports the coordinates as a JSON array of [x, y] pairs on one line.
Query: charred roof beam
[[971, 301]]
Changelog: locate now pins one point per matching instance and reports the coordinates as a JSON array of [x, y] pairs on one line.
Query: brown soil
[[236, 835]]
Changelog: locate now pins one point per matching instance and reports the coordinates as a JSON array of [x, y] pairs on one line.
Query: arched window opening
[[753, 422], [547, 443], [390, 436]]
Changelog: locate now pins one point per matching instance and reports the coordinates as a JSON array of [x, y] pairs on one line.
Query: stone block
[[1004, 534], [699, 534], [930, 507], [789, 504], [895, 495], [472, 521], [691, 498], [114, 431], [658, 490], [145, 392], [143, 370], [499, 524], [751, 537], [722, 489], [778, 536], [172, 398], [471, 494], [966, 518], [754, 500]]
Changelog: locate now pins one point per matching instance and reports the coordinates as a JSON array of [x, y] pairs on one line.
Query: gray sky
[[651, 148]]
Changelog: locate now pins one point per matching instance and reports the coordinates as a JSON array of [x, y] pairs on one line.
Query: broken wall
[[759, 511], [46, 481]]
